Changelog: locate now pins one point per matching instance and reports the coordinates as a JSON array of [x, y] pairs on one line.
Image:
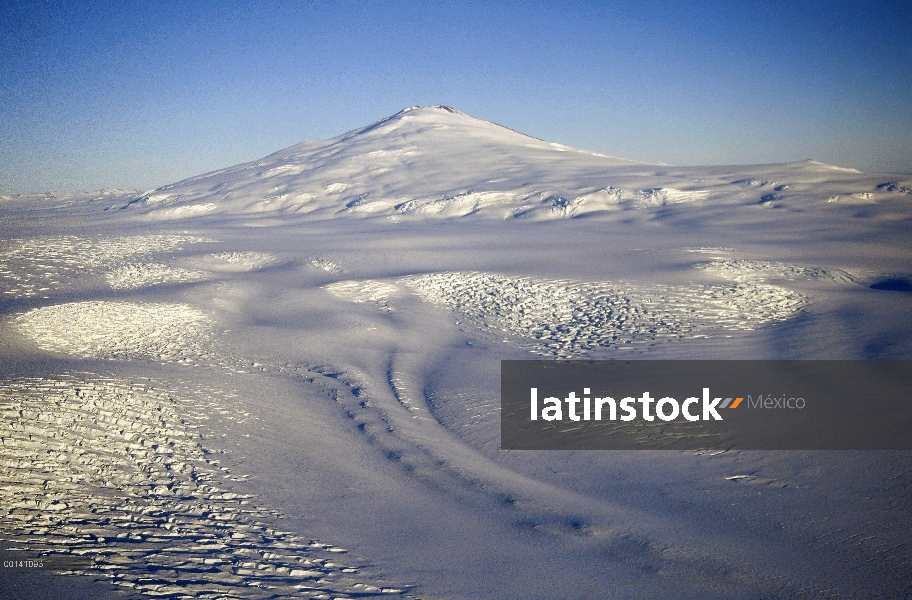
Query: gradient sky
[[138, 95]]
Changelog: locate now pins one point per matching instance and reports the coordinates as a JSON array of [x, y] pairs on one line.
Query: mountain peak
[[432, 160], [438, 107]]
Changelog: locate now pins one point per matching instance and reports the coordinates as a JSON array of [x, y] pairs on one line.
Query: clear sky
[[141, 94]]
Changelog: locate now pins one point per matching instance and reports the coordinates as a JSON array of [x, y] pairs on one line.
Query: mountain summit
[[420, 161], [439, 162]]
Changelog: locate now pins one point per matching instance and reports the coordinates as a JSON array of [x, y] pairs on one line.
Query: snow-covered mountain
[[439, 162], [202, 406]]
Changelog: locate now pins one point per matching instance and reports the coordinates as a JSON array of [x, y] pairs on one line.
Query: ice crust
[[35, 267], [119, 330], [568, 318], [118, 472]]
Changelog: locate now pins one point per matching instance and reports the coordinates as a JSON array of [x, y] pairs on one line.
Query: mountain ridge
[[438, 162]]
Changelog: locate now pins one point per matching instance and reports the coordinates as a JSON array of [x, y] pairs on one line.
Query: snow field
[[375, 406], [755, 270], [569, 318], [120, 330], [436, 162], [39, 267], [136, 276], [241, 261], [325, 264], [367, 290], [117, 472]]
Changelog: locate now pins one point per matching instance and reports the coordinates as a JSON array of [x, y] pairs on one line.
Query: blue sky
[[138, 95]]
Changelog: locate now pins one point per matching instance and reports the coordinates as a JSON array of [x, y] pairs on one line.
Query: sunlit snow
[[282, 378]]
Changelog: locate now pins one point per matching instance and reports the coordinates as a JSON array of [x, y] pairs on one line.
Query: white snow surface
[[437, 161], [281, 379]]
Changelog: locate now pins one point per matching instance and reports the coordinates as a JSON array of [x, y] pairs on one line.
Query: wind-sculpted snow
[[331, 363], [185, 210], [456, 206], [39, 267], [117, 472], [241, 261], [569, 318], [120, 330], [141, 275], [662, 197], [367, 290], [755, 270], [325, 264]]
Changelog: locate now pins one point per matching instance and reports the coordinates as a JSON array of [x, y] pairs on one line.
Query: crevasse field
[[282, 379]]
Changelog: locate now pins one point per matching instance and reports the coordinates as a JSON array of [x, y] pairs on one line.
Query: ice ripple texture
[[756, 270], [570, 318], [120, 330], [41, 266], [136, 276], [116, 471]]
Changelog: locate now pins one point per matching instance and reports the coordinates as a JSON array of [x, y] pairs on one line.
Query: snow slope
[[439, 162], [281, 379]]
